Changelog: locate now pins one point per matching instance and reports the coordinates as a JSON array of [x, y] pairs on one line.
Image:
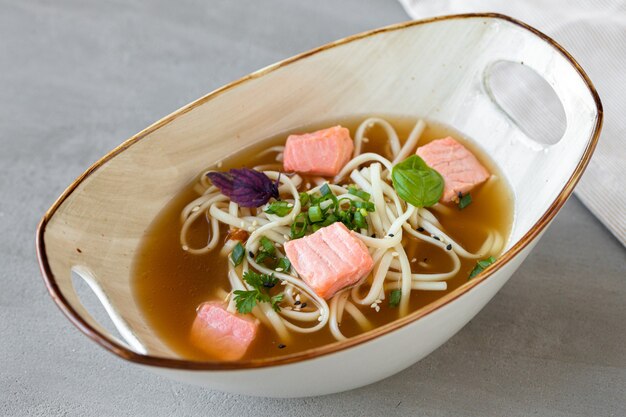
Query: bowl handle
[[526, 46]]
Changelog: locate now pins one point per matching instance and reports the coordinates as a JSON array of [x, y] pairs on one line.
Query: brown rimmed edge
[[129, 355]]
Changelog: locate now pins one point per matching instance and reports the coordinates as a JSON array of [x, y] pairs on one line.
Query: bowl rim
[[186, 364]]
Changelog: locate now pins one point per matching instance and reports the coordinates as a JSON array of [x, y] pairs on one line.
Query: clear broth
[[169, 283]]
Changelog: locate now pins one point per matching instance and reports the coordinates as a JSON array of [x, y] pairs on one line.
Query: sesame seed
[[297, 297], [289, 205], [298, 302], [303, 305], [373, 235], [196, 208], [319, 318], [449, 247], [395, 254], [251, 254], [281, 346], [436, 237], [283, 283], [185, 247], [377, 308], [390, 234], [219, 164], [413, 260], [373, 305], [279, 270], [365, 140], [420, 229], [286, 237]]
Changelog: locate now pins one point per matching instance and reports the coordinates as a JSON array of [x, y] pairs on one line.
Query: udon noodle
[[387, 226]]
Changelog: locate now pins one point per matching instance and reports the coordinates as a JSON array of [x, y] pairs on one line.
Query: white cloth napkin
[[594, 32]]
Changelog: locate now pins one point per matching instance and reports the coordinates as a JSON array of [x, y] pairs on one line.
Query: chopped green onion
[[340, 202], [365, 196], [316, 214], [283, 264], [262, 256], [394, 298], [330, 219], [279, 208], [316, 226], [298, 228], [325, 189], [364, 204], [237, 254], [304, 198], [465, 201], [359, 220], [268, 246], [481, 265]]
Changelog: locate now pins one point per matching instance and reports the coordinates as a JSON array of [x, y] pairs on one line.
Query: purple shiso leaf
[[223, 181], [246, 187]]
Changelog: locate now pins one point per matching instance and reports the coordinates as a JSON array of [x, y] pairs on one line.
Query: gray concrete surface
[[78, 77]]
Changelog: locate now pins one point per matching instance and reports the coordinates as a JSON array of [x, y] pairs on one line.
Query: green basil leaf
[[417, 183]]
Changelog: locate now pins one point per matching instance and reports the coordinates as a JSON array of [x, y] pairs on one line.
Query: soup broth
[[170, 283]]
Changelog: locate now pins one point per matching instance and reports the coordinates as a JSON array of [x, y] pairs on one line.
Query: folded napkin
[[594, 32]]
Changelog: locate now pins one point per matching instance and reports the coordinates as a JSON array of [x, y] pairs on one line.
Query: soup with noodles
[[343, 227]]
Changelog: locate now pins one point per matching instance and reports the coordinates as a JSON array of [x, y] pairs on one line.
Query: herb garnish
[[280, 208], [237, 254], [283, 265], [464, 200], [246, 187], [481, 265], [417, 183], [323, 209], [394, 298], [261, 284], [266, 250]]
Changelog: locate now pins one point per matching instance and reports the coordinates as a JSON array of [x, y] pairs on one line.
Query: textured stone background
[[78, 77]]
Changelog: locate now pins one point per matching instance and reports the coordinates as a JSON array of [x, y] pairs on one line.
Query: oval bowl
[[434, 68]]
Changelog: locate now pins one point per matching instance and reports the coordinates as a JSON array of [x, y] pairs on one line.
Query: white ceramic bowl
[[433, 68]]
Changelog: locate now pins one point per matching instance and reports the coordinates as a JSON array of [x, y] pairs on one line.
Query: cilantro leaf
[[261, 284], [245, 300], [275, 300]]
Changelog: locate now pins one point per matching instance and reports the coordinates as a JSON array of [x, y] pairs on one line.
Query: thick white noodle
[[392, 136], [386, 228], [411, 142]]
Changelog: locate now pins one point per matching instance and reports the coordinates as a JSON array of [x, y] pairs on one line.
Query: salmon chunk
[[459, 168], [221, 334], [330, 259], [323, 152]]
